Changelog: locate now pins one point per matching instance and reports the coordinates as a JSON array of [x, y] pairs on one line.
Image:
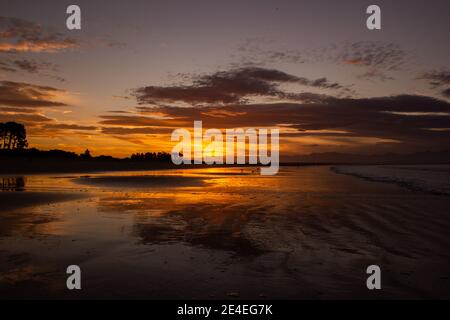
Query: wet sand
[[432, 179], [307, 233], [11, 200], [141, 181]]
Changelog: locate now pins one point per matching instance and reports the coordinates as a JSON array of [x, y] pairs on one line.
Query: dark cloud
[[233, 86], [65, 126], [446, 93], [39, 125], [141, 121], [376, 55], [308, 97], [19, 94], [412, 120], [45, 69], [29, 119], [119, 111], [25, 103], [27, 65], [438, 79], [385, 56], [17, 35], [129, 131], [17, 110], [16, 104], [6, 67]]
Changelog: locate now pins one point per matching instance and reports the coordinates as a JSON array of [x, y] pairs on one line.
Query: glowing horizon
[[128, 78]]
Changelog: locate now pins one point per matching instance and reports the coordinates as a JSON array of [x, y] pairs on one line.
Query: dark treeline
[[61, 154], [13, 143], [151, 156], [36, 153]]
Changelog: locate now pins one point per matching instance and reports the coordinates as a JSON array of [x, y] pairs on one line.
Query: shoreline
[[418, 178], [18, 165]]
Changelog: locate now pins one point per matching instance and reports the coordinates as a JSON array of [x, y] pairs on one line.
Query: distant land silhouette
[[15, 157], [38, 161]]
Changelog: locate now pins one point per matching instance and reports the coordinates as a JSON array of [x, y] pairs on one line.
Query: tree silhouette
[[86, 154], [13, 136], [151, 156]]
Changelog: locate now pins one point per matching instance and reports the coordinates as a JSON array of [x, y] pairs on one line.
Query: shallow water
[[216, 233]]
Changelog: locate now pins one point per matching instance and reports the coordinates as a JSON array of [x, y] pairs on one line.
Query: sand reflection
[[13, 184]]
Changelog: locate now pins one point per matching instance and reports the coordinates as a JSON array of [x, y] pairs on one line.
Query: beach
[[224, 233]]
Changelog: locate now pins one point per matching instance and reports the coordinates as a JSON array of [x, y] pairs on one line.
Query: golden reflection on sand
[[230, 229]]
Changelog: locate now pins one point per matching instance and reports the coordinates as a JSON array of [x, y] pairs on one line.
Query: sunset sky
[[137, 70]]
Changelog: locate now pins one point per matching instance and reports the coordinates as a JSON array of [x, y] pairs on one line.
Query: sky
[[137, 70]]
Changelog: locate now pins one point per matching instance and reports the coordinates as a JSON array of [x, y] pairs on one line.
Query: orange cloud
[[25, 36], [37, 46], [20, 94], [353, 61]]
